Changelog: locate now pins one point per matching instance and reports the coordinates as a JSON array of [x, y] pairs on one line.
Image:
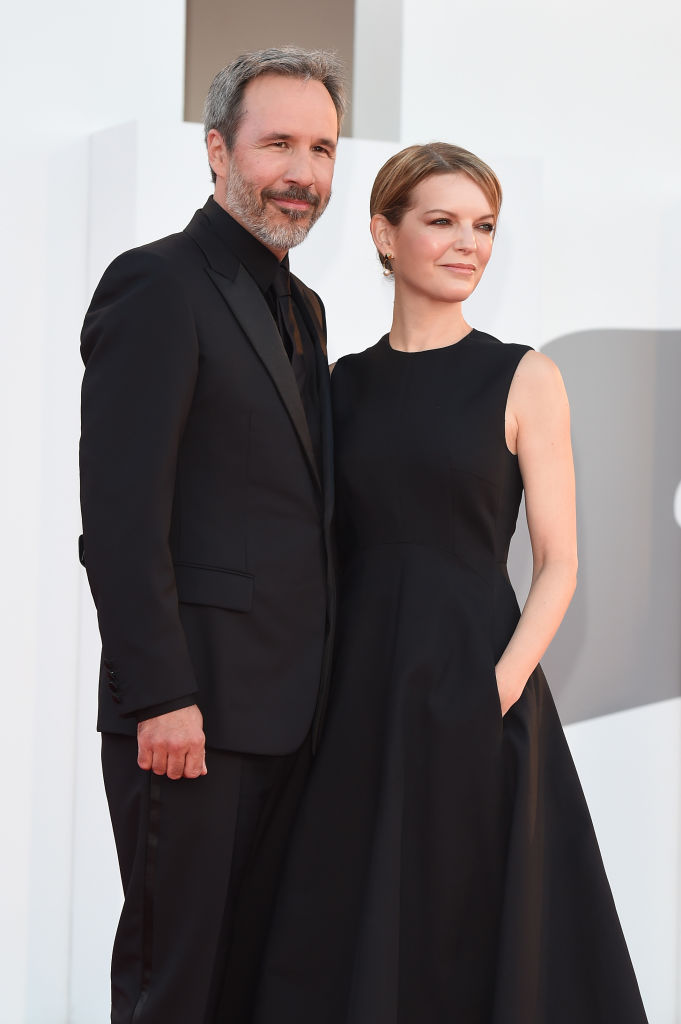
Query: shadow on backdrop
[[620, 643]]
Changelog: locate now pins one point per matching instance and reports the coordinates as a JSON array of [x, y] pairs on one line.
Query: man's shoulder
[[165, 274], [172, 265], [160, 256]]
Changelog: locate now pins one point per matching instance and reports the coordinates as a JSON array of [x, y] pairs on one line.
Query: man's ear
[[218, 154]]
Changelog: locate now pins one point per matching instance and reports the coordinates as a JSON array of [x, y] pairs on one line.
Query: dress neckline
[[425, 351]]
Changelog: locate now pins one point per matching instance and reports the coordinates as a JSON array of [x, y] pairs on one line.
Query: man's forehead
[[279, 94]]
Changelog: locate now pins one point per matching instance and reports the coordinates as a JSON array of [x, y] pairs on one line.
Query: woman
[[444, 869]]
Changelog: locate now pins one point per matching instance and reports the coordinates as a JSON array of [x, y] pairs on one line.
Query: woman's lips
[[460, 268]]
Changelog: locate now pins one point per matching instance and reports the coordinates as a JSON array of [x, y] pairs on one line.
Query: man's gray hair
[[223, 109]]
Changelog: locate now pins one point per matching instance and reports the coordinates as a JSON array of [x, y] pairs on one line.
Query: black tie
[[288, 328], [300, 353]]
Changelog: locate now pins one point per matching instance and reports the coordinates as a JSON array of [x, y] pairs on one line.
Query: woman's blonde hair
[[392, 193]]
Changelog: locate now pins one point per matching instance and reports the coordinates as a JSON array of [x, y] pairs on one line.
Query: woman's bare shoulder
[[537, 379]]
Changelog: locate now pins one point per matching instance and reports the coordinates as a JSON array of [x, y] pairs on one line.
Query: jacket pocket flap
[[220, 588]]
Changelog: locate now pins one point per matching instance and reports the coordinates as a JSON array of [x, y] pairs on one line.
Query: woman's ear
[[382, 232]]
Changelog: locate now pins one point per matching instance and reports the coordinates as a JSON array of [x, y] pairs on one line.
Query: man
[[206, 497]]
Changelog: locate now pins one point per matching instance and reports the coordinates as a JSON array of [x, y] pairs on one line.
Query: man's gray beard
[[243, 201]]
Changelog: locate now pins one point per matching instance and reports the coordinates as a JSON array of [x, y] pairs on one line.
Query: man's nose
[[299, 169]]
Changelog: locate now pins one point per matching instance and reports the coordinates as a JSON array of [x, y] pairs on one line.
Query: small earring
[[387, 269]]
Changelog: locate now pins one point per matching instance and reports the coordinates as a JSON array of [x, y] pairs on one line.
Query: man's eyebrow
[[286, 137]]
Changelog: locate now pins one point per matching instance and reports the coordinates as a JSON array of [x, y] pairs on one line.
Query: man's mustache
[[294, 192]]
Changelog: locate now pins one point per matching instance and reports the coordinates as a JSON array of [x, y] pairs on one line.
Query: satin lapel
[[245, 299]]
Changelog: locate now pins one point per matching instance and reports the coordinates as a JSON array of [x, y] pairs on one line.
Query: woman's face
[[442, 245]]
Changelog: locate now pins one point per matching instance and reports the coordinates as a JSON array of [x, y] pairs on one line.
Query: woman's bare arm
[[538, 427]]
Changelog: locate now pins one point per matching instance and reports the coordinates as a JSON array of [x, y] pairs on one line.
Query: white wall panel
[[594, 94], [629, 766], [65, 71], [377, 71]]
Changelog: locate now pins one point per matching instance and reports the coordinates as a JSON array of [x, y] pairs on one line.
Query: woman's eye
[[489, 228], [441, 220]]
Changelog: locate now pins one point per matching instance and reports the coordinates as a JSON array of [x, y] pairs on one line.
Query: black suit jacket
[[206, 520]]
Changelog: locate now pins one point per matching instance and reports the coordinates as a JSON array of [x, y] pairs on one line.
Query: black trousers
[[200, 861]]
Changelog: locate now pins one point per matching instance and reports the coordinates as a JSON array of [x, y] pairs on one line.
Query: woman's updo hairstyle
[[392, 194]]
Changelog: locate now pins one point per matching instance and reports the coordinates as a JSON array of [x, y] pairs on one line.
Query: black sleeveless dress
[[444, 868]]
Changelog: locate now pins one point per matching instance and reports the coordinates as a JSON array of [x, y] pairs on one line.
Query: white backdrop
[[66, 70], [575, 109]]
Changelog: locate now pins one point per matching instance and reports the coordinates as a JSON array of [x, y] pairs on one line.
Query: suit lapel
[[245, 299]]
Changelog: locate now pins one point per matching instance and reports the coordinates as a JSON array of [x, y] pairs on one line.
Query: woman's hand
[[509, 692]]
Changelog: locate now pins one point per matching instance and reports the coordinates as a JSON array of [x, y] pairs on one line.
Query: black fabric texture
[[444, 867]]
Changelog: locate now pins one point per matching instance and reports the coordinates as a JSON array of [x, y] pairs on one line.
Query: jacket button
[[115, 698], [113, 676], [112, 687]]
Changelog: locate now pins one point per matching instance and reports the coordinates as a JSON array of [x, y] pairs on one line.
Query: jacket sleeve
[[140, 350]]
